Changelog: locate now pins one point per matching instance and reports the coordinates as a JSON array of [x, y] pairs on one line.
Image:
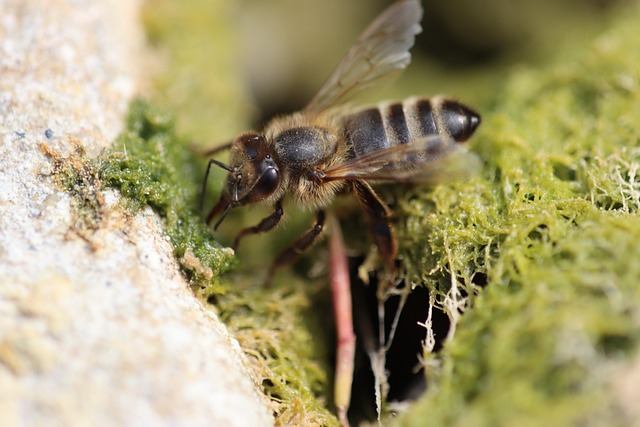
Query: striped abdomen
[[390, 124]]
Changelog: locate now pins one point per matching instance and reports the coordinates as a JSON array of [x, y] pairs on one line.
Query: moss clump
[[150, 166], [284, 344], [551, 228]]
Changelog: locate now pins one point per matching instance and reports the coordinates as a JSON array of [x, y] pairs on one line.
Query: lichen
[[72, 172]]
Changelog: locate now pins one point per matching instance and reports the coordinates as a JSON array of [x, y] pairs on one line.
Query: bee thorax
[[303, 147]]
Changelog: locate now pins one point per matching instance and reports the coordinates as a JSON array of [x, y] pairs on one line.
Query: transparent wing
[[383, 47], [430, 160]]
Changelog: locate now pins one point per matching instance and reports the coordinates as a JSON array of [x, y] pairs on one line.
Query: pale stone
[[97, 328]]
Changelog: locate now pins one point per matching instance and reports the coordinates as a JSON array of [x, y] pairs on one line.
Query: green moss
[[284, 344], [151, 166], [552, 227], [75, 174]]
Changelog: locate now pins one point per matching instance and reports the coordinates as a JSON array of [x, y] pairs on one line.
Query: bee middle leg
[[265, 225], [297, 248]]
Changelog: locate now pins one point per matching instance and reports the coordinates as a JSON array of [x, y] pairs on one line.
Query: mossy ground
[[549, 230]]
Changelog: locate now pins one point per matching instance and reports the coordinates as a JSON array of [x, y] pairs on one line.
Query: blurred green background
[[229, 65]]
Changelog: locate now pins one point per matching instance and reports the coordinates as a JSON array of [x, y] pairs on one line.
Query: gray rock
[[100, 330]]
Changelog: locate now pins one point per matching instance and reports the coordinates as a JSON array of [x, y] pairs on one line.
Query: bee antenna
[[230, 206], [206, 177], [224, 215], [219, 163]]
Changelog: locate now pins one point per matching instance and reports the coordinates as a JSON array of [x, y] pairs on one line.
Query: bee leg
[[293, 252], [380, 223], [384, 237], [265, 225]]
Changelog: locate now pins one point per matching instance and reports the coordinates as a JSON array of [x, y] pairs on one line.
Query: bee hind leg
[[379, 222], [297, 248], [385, 240]]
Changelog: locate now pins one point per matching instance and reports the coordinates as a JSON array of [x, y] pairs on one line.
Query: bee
[[326, 148]]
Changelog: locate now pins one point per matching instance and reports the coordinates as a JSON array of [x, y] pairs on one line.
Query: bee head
[[253, 175]]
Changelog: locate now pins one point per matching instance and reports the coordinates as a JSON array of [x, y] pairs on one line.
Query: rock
[[96, 327]]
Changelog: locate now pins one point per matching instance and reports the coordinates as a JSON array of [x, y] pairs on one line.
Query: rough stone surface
[[95, 328]]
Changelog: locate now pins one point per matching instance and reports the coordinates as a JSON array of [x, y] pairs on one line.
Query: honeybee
[[322, 150]]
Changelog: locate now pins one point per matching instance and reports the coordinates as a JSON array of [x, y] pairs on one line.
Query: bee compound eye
[[267, 183]]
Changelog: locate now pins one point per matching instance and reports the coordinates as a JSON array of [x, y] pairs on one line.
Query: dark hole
[[480, 279], [405, 375], [608, 203]]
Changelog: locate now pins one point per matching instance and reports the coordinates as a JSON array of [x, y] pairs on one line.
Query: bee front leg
[[265, 225], [293, 252]]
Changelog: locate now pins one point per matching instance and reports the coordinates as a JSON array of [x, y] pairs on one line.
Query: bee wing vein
[[381, 48], [429, 160]]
